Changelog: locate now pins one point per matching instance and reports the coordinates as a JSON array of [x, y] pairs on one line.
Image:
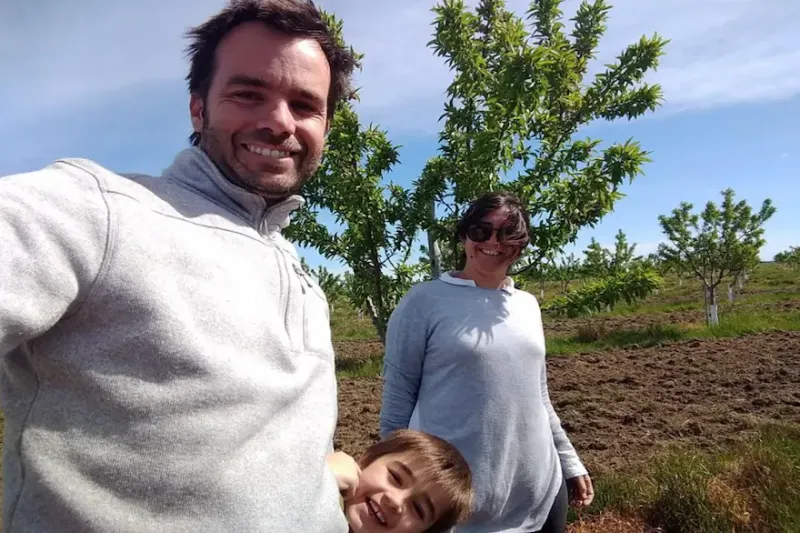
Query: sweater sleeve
[[571, 464], [53, 230], [406, 342]]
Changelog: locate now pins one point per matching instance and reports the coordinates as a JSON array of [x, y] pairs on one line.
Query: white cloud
[[69, 55]]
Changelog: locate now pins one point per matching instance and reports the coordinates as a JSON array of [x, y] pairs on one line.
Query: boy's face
[[390, 498]]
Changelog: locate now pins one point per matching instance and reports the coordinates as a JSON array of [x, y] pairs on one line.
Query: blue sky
[[104, 80]]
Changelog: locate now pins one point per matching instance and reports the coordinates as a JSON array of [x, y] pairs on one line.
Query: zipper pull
[[299, 271]]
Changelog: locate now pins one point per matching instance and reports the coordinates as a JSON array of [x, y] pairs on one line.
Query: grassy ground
[[736, 324], [754, 486]]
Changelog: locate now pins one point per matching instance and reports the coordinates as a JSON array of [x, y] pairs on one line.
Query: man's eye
[[305, 107], [419, 511], [247, 95], [397, 479]]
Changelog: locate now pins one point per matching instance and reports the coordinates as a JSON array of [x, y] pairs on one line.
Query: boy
[[410, 482]]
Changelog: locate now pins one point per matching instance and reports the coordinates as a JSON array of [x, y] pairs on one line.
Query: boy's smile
[[390, 498]]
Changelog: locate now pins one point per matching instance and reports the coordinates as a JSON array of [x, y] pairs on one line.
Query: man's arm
[[406, 342], [53, 237]]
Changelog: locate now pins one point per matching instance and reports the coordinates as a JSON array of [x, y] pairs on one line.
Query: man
[[166, 364]]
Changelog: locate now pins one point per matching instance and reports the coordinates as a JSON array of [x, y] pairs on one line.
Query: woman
[[465, 360]]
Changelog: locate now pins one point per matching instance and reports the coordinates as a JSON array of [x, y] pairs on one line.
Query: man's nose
[[276, 116]]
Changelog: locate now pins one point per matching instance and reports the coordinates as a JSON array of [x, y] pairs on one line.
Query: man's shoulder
[[109, 179], [73, 172]]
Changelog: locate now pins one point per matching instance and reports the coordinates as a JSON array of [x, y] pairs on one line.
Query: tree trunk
[[730, 293], [433, 247], [377, 321], [541, 290], [712, 316], [740, 278]]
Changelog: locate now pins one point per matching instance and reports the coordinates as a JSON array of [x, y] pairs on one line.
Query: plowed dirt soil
[[620, 406]]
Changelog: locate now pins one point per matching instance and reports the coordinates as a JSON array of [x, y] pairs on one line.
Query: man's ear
[[196, 112]]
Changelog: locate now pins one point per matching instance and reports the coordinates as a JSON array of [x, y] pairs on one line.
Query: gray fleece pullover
[[167, 367], [468, 364]]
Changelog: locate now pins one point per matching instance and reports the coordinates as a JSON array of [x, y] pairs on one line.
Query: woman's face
[[490, 257]]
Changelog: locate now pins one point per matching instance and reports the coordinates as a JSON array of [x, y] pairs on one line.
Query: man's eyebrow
[[260, 83], [250, 81]]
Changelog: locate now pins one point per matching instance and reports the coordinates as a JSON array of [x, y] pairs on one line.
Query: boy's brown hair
[[442, 465]]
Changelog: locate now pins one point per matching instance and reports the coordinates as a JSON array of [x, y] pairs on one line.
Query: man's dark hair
[[518, 224], [299, 18]]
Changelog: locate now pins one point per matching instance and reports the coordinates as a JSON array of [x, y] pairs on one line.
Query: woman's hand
[[581, 492], [347, 472]]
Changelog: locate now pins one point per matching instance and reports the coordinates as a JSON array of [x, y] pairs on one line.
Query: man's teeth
[[373, 507], [266, 151], [492, 253]]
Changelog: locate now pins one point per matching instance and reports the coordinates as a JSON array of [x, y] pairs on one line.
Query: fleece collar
[[194, 169]]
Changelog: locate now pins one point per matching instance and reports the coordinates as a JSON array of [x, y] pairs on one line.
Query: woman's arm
[[570, 462], [406, 342]]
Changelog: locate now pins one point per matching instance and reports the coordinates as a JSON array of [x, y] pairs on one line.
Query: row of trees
[[790, 257], [520, 96], [610, 276]]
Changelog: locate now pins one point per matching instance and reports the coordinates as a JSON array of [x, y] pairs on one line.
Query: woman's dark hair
[[299, 18], [517, 227]]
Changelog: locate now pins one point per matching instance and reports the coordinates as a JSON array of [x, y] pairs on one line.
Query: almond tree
[[612, 277], [790, 257], [715, 245], [521, 93], [378, 220]]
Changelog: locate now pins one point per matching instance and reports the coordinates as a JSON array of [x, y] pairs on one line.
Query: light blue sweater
[[468, 364]]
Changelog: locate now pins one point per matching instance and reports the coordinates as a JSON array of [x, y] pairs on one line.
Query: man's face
[[391, 499], [264, 119]]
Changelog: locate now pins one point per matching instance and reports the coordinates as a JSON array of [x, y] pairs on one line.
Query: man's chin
[[271, 187]]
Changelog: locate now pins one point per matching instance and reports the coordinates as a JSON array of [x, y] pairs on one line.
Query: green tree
[[600, 262], [515, 107], [566, 270], [790, 257], [715, 245], [613, 277], [378, 221], [596, 263], [607, 292]]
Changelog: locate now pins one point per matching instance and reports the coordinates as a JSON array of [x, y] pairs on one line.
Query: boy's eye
[[397, 479], [420, 512]]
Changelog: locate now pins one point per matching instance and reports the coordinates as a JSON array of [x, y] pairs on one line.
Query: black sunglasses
[[482, 232]]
